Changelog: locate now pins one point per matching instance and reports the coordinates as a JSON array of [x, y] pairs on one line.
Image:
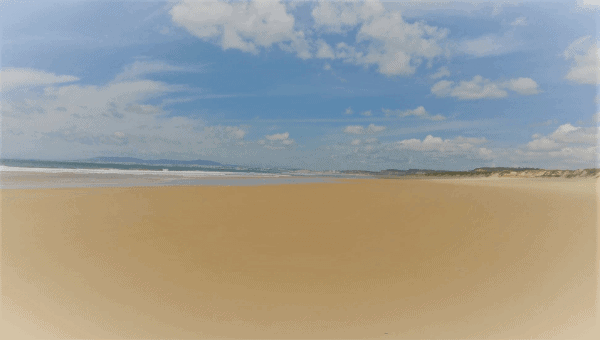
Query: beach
[[338, 259]]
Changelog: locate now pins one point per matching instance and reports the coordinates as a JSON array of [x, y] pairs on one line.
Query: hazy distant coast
[[163, 168]]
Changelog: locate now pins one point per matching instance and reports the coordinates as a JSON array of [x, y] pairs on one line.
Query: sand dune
[[390, 259]]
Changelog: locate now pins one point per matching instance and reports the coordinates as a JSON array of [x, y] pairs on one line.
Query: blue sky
[[316, 85]]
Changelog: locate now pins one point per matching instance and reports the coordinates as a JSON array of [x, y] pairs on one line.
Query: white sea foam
[[186, 173]]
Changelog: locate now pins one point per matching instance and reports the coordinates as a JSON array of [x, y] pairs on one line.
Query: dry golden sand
[[481, 259]]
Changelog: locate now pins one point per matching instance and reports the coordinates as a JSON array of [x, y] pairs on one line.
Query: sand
[[372, 258], [39, 180]]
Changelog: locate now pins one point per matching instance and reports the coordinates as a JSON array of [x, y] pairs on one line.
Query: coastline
[[38, 178], [68, 178]]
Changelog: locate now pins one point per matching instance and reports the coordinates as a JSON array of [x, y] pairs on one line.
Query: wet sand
[[38, 180], [382, 259]]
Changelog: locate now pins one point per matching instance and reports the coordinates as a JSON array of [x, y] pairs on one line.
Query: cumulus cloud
[[361, 130], [441, 73], [419, 112], [584, 54], [567, 143], [367, 113], [568, 133], [542, 143], [395, 46], [348, 111], [342, 16], [383, 38], [278, 136], [244, 25], [524, 86], [458, 145], [324, 51], [481, 88], [12, 78], [277, 141]]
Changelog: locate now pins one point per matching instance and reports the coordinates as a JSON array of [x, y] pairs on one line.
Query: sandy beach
[[361, 258]]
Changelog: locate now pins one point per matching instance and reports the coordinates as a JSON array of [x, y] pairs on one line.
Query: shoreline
[[12, 180], [74, 178]]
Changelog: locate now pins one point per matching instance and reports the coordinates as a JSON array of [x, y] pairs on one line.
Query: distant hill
[[152, 162], [504, 169]]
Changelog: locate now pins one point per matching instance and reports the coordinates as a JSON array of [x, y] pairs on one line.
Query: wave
[[165, 172]]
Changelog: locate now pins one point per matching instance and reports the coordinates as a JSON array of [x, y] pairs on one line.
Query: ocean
[[129, 168], [21, 174]]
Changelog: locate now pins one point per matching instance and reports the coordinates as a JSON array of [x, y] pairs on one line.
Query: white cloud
[[567, 144], [278, 136], [227, 132], [348, 111], [419, 112], [585, 67], [364, 141], [12, 78], [80, 121], [367, 113], [354, 129], [476, 88], [247, 26], [383, 38], [277, 141], [568, 133], [361, 130], [324, 51], [341, 16], [542, 144], [480, 88], [141, 68], [441, 73], [520, 21], [588, 5], [397, 47], [445, 147], [524, 86], [492, 44]]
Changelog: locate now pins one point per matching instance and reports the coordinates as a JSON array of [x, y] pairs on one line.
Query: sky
[[316, 85]]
